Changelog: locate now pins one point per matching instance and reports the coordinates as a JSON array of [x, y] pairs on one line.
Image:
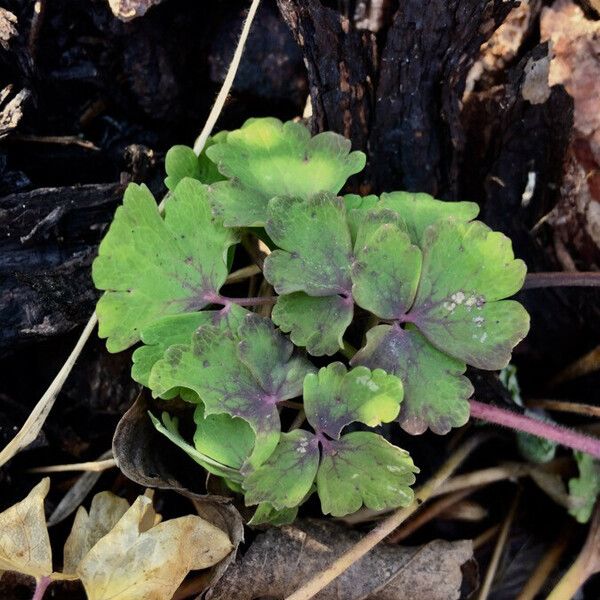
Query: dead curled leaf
[[280, 560], [148, 458], [24, 539]]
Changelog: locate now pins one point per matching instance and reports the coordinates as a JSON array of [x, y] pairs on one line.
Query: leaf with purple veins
[[229, 374]]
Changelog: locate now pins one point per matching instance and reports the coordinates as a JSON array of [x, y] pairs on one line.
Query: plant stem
[[224, 92], [256, 301], [499, 549], [348, 558], [41, 585], [556, 433], [577, 408], [548, 563], [586, 564], [562, 279]]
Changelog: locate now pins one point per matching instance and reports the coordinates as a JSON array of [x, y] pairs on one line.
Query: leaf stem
[[255, 301], [562, 279], [41, 585], [556, 433], [356, 552]]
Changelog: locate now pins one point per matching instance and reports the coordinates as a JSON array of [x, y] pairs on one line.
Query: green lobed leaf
[[182, 162], [313, 262], [435, 391], [335, 397], [169, 427], [265, 514], [150, 267], [467, 271], [419, 211], [386, 267], [318, 323], [287, 476], [268, 158], [356, 207], [243, 374], [158, 336], [584, 490], [228, 440], [363, 468], [315, 246]]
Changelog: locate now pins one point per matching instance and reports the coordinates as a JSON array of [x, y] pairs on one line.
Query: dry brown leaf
[[88, 528], [281, 560], [24, 540], [139, 560]]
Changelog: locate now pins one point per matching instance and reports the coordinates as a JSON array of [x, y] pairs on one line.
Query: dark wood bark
[[48, 240]]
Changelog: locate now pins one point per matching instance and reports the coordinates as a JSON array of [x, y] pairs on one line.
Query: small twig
[[94, 466], [548, 563], [550, 431], [428, 514], [41, 585], [62, 140], [588, 363], [562, 279], [586, 564], [298, 420], [226, 87], [243, 274], [576, 408], [291, 404], [386, 527], [499, 549], [256, 301], [39, 9], [484, 477], [483, 538], [38, 415]]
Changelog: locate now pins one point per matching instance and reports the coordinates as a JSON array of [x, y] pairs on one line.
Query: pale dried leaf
[[8, 30], [126, 10], [24, 540], [88, 528], [281, 560], [12, 112], [139, 561]]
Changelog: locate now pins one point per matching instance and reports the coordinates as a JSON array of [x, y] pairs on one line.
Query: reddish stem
[[225, 300], [556, 433], [41, 585], [562, 279]]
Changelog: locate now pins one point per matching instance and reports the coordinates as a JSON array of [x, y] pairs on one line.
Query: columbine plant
[[418, 279]]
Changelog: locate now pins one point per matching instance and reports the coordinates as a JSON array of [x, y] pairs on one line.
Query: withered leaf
[[139, 559], [281, 560], [24, 540], [88, 528]]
